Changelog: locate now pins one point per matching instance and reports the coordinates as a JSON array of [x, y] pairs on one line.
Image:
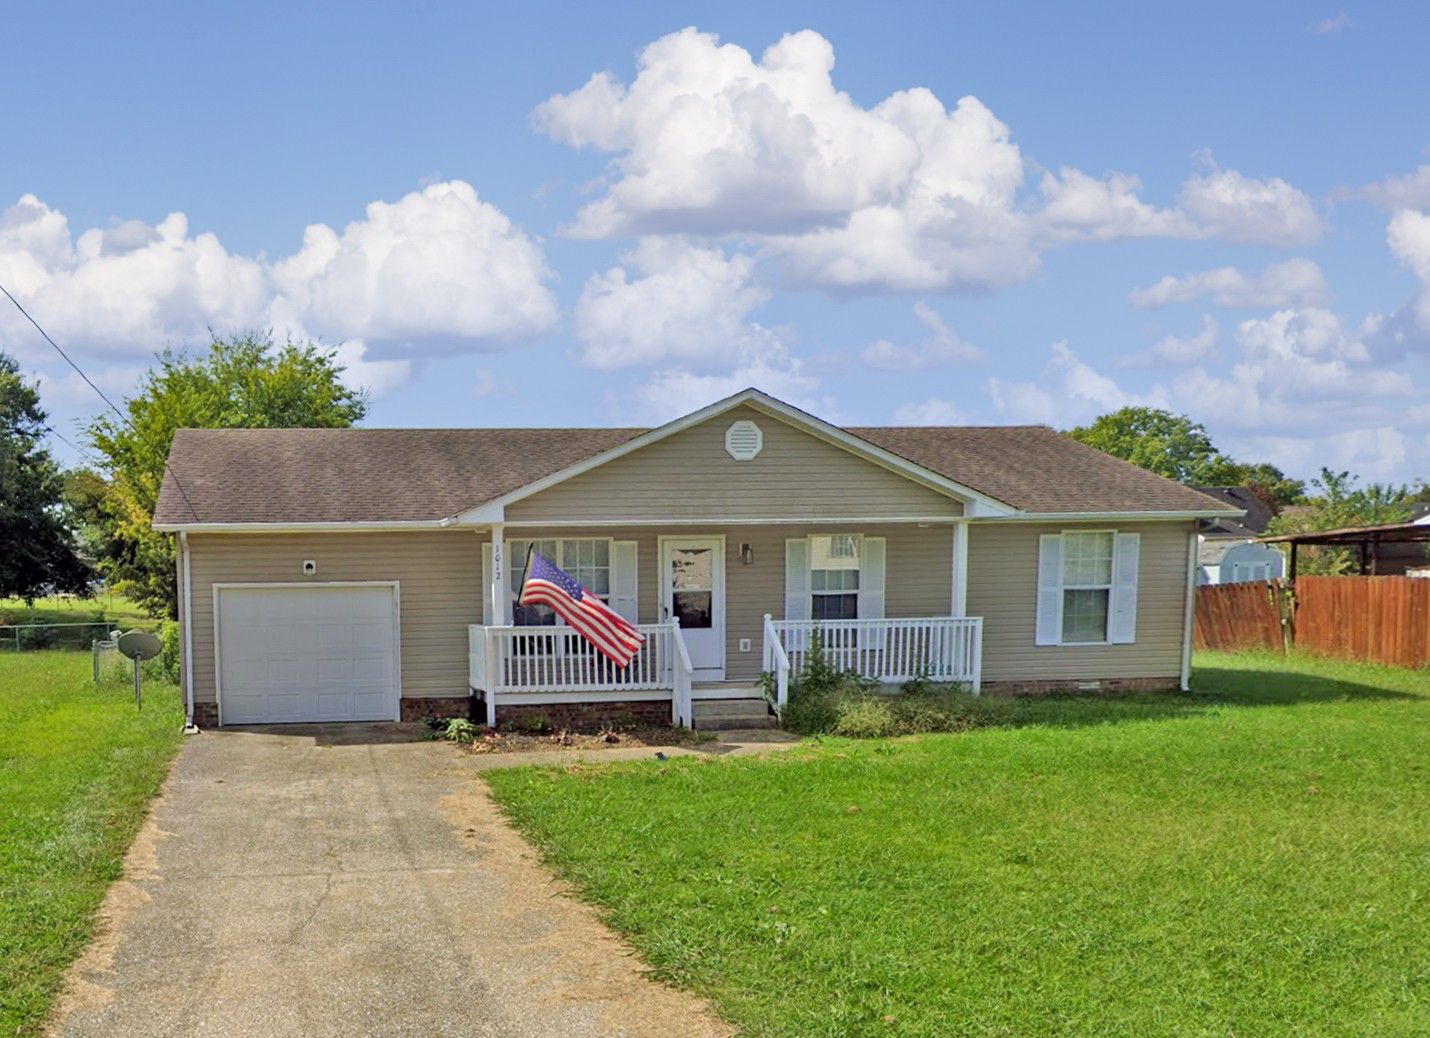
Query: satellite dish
[[139, 645]]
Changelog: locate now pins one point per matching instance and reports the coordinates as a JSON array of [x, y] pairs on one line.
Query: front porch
[[550, 665]]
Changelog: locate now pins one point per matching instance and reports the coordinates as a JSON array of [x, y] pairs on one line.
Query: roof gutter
[[324, 527], [1048, 517]]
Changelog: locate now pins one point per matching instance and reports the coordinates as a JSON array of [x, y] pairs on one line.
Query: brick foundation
[[585, 716], [1083, 685], [206, 715], [445, 707]]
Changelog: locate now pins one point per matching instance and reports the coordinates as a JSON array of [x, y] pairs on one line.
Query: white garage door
[[307, 653]]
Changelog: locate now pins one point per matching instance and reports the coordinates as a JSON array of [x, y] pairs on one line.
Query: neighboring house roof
[[1257, 517], [240, 476]]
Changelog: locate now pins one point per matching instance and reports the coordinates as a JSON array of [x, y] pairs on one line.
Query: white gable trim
[[975, 504]]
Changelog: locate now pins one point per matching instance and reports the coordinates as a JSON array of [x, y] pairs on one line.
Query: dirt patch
[[84, 990], [587, 962]]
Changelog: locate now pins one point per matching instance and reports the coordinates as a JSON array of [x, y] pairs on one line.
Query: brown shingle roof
[[1037, 469], [359, 475], [404, 475]]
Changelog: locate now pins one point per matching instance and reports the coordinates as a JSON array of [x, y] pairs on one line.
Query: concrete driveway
[[346, 880]]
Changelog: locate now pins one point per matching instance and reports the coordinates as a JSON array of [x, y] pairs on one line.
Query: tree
[[1174, 446], [1170, 445], [37, 550], [236, 383], [1340, 504]]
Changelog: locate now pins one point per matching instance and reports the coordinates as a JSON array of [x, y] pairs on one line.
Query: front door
[[694, 593]]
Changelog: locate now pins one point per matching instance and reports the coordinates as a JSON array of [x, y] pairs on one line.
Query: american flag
[[597, 622]]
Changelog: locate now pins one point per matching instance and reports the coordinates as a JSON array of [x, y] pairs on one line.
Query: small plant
[[535, 724], [460, 730]]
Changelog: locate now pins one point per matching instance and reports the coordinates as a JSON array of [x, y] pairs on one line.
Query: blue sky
[[915, 213]]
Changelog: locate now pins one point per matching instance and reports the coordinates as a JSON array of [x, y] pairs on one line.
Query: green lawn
[[78, 766], [1251, 859], [107, 608]]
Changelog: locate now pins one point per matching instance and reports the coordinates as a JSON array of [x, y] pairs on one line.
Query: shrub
[[169, 659]]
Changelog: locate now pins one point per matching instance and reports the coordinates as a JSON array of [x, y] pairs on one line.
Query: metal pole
[[138, 690]]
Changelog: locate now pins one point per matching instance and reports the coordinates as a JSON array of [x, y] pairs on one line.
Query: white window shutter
[[487, 586], [871, 589], [1123, 622], [797, 606], [623, 580], [797, 579], [1049, 629]]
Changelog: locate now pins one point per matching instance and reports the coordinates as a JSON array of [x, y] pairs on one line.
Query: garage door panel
[[307, 654]]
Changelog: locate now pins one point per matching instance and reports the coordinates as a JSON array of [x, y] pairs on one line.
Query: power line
[[84, 454], [62, 353], [122, 416]]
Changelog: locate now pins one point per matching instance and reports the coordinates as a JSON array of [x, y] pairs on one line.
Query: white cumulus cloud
[[1067, 391], [1294, 283], [1244, 210], [1198, 348], [942, 348], [909, 195], [438, 270], [687, 305]]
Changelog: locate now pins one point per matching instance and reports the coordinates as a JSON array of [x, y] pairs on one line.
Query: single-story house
[[370, 574], [1228, 554]]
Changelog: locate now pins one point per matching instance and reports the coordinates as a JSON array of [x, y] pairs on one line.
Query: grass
[[78, 766], [114, 611], [1250, 859]]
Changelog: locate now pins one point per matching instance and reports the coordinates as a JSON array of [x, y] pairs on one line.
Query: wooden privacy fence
[[1382, 619], [1379, 619], [1231, 617]]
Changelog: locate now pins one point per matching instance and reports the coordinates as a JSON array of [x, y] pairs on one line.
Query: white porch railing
[[556, 664], [941, 648], [776, 663]]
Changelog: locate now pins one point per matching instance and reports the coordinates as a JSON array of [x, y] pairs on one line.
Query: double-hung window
[[834, 577], [1087, 588], [587, 560]]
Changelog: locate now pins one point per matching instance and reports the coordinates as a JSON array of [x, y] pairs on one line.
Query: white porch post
[[959, 602], [498, 600]]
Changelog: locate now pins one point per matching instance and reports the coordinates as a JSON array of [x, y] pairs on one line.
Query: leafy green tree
[[1339, 503], [37, 550], [237, 383], [1174, 446], [1168, 444]]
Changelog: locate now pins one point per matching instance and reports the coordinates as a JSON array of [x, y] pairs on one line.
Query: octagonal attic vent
[[744, 441]]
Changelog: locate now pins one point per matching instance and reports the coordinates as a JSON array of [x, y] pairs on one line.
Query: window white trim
[[1121, 626]]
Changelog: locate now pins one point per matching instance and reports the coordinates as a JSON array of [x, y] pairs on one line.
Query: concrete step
[[716, 715]]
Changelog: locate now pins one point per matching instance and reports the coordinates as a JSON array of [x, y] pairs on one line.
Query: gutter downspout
[[186, 597], [1191, 611]]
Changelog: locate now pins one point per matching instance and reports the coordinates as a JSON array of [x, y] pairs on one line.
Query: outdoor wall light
[[747, 555]]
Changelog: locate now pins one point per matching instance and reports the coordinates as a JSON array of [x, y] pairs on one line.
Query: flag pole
[[525, 570]]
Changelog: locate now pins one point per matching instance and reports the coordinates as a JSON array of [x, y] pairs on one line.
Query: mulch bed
[[521, 740]]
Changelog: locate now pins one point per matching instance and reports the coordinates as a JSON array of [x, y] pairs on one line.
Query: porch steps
[[723, 715]]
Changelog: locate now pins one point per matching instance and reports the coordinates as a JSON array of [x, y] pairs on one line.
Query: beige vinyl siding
[[439, 575], [1003, 589], [918, 577], [689, 476]]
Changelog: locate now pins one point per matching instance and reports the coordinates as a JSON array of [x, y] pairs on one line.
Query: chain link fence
[[30, 637]]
